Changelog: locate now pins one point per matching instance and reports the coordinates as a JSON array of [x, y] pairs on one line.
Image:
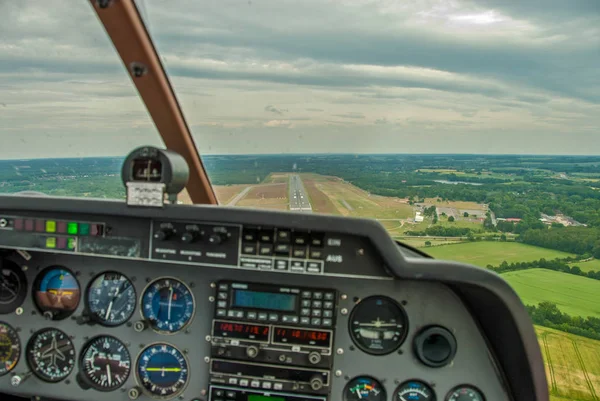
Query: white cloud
[[318, 75]]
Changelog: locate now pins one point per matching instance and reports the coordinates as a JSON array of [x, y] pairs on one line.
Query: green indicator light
[[84, 229], [72, 243], [50, 226], [72, 228], [51, 242]]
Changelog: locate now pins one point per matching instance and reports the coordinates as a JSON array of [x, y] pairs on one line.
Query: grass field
[[348, 200], [486, 252], [420, 242], [226, 192], [269, 196], [572, 365], [575, 295], [588, 266]]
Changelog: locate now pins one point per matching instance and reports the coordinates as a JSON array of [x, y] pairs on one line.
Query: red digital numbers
[[238, 330], [302, 337]]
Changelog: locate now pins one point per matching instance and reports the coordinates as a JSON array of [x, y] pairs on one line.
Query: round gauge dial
[[51, 355], [162, 370], [56, 291], [365, 389], [13, 286], [465, 393], [378, 325], [10, 348], [111, 299], [105, 363], [413, 390], [168, 305]]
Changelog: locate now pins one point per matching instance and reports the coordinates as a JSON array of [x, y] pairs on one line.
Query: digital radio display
[[244, 331], [264, 300], [317, 338]]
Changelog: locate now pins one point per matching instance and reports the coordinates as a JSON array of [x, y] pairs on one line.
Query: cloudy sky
[[282, 76]]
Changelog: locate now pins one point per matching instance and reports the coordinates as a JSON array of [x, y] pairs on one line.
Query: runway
[[298, 196]]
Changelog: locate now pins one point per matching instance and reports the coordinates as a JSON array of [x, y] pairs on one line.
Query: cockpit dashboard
[[100, 301]]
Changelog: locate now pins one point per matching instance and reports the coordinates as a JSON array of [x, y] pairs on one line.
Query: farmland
[[493, 253], [575, 295], [572, 365], [589, 265]]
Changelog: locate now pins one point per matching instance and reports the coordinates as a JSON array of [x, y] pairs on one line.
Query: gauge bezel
[[30, 361], [22, 295], [88, 309], [138, 380], [461, 386], [366, 349], [81, 366], [396, 390], [20, 348], [141, 305], [364, 377], [63, 314]]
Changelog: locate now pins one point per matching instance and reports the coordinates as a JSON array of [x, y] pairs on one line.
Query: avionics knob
[[316, 383], [252, 351], [216, 238], [190, 236], [314, 357], [163, 234], [17, 379]]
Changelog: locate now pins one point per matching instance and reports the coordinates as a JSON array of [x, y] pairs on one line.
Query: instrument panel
[[119, 307]]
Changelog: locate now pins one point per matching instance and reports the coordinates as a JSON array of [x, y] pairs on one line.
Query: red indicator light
[[18, 224], [28, 225], [61, 227], [61, 243], [40, 226]]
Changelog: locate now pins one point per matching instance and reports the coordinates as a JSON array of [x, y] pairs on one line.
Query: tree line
[[561, 265], [547, 314]]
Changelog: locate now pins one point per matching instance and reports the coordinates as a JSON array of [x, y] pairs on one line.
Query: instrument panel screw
[[340, 351], [192, 284], [24, 268], [212, 285], [361, 252], [211, 299], [404, 302], [19, 311], [344, 311], [344, 296], [203, 391], [133, 393], [207, 338], [206, 359], [338, 373]]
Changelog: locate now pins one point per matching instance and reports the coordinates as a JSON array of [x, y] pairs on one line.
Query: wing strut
[[128, 33]]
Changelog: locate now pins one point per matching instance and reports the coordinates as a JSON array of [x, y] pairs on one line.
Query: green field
[[493, 253], [575, 295], [572, 365], [588, 266]]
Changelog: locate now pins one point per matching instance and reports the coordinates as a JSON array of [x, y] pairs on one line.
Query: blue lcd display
[[264, 300]]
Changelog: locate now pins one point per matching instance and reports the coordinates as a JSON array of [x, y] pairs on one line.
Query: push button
[[249, 235], [266, 236], [283, 236], [249, 249]]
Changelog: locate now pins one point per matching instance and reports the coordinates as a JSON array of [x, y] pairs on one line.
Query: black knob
[[163, 234], [215, 239], [435, 346], [190, 236]]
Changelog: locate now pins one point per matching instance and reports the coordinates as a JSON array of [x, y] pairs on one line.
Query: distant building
[[513, 219], [419, 217]]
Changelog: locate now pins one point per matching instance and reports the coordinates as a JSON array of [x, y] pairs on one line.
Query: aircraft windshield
[[468, 128]]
